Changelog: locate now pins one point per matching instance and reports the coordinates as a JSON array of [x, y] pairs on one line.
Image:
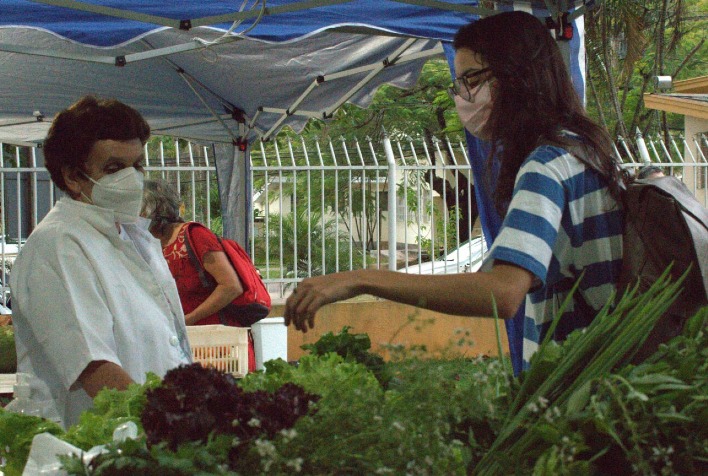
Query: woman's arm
[[101, 374], [466, 294], [228, 286]]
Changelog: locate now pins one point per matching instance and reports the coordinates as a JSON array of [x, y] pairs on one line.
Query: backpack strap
[[674, 187], [204, 277], [695, 218]]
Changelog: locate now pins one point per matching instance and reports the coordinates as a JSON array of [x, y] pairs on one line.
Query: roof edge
[[677, 105], [694, 85]]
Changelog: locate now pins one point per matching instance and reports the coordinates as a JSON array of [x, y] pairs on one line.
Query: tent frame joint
[[562, 27], [238, 115], [241, 143]]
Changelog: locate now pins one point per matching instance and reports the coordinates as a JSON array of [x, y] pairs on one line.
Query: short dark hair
[[76, 129]]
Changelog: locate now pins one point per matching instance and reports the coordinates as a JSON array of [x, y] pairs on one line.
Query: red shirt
[[191, 291]]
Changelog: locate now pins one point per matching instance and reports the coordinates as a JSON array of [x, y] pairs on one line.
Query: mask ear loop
[[87, 197], [90, 200], [89, 178]]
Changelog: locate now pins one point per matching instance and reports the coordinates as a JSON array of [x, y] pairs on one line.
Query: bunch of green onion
[[608, 343]]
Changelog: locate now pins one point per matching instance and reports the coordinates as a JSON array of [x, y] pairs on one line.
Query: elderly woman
[[557, 187], [201, 304], [94, 304]]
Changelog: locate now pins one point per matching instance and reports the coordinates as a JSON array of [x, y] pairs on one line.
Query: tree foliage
[[425, 111], [629, 43]]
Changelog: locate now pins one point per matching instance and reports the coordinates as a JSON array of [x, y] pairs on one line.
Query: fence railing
[[322, 208], [327, 209]]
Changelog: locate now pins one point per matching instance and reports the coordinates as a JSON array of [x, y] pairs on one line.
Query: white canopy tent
[[200, 83], [225, 73], [228, 73]]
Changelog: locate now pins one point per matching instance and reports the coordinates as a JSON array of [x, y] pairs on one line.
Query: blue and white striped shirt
[[561, 221]]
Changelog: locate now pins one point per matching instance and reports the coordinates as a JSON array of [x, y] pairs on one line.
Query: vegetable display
[[582, 408]]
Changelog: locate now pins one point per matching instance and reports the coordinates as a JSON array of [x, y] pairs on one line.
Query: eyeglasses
[[466, 83]]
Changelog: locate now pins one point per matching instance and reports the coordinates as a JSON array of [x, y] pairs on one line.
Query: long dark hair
[[535, 99]]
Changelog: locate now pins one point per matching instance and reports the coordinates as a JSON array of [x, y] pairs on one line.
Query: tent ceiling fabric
[[51, 54], [184, 89]]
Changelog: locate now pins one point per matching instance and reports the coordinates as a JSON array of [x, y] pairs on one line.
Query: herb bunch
[[195, 402], [353, 348]]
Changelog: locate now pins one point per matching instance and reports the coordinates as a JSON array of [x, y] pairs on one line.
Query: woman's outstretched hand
[[313, 293]]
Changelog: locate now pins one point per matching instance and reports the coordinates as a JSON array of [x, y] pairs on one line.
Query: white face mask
[[474, 113], [121, 192]]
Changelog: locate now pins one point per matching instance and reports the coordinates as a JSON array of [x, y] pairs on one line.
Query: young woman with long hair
[[557, 187]]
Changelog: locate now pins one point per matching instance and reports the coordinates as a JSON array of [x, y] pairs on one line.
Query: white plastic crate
[[222, 347]]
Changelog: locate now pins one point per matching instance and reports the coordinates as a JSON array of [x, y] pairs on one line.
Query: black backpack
[[665, 224]]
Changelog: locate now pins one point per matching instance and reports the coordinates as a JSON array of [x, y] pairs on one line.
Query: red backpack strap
[[204, 277]]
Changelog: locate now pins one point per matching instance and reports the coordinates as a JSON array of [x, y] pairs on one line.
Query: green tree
[[313, 244], [629, 43], [426, 108]]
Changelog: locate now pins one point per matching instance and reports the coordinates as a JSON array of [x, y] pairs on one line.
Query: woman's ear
[[73, 179]]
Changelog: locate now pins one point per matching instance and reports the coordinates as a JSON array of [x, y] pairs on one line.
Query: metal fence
[[323, 208]]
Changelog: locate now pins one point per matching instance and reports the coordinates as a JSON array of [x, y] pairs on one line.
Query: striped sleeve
[[531, 226]]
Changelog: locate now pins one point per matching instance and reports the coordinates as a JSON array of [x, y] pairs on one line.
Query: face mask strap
[[87, 197], [87, 176]]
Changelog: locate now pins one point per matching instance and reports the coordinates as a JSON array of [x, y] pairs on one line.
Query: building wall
[[389, 323], [693, 127]]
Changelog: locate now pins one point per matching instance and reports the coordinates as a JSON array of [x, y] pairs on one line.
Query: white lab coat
[[83, 292]]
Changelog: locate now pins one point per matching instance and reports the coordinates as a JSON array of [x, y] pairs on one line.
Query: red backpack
[[249, 307]]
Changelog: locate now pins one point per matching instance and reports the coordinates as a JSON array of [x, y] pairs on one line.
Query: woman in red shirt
[[201, 305]]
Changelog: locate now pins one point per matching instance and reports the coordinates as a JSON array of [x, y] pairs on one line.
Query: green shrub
[[8, 356]]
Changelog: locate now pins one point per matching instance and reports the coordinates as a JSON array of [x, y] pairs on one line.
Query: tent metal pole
[[190, 23], [388, 61], [120, 60], [274, 127], [293, 7], [373, 70], [211, 110], [165, 129], [20, 123], [192, 123], [170, 50], [552, 7], [580, 11], [23, 50], [252, 124], [293, 107], [280, 110], [437, 50], [112, 12], [450, 6]]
